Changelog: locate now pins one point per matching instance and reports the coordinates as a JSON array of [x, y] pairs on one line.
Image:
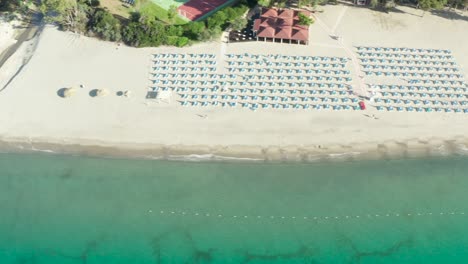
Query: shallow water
[[62, 209]]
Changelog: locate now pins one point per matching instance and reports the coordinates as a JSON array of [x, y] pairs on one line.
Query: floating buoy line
[[200, 214]]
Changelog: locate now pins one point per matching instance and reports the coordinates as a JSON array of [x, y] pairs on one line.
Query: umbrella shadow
[[93, 93], [61, 92]]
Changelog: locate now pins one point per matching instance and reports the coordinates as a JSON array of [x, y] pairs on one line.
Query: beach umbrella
[[68, 92], [102, 92]]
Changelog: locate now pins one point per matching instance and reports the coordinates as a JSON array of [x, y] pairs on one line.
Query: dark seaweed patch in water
[[90, 247], [26, 260], [66, 174], [196, 255], [359, 255], [383, 253], [304, 253]]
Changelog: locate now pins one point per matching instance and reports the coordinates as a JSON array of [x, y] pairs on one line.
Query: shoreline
[[409, 149]]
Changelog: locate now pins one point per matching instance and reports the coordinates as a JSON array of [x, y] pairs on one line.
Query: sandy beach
[[34, 118]]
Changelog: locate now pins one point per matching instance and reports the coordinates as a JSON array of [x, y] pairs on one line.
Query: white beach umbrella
[[68, 92], [102, 92]]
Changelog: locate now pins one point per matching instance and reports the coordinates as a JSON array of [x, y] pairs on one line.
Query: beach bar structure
[[281, 25]]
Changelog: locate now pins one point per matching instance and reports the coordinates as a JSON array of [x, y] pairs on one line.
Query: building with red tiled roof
[[281, 25]]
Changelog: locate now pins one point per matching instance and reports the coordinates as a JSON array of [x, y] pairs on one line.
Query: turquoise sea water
[[62, 209]]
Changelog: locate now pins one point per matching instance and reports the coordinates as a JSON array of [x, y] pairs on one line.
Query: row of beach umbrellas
[[70, 91]]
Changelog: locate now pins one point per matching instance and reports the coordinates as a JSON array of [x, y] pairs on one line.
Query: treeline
[[141, 32], [88, 17], [14, 5]]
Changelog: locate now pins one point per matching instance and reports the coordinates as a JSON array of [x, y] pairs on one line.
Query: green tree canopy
[[265, 3], [145, 34], [105, 25], [305, 20], [239, 23], [432, 4], [172, 12], [216, 20], [68, 14]]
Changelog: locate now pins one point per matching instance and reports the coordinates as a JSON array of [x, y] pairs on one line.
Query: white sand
[[30, 108]]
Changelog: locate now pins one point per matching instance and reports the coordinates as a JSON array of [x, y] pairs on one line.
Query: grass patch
[[117, 7], [147, 7]]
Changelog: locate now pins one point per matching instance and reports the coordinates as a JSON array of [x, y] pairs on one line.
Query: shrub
[[305, 20]]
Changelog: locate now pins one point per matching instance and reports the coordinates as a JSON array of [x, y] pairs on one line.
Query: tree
[[145, 34], [431, 4], [216, 20], [265, 3], [239, 23], [374, 3], [305, 20], [172, 30], [68, 14], [106, 26], [303, 3], [192, 30], [177, 41], [172, 13], [312, 3], [281, 4], [458, 3], [9, 5], [92, 3]]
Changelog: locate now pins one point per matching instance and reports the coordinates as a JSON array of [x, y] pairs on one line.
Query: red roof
[[286, 13], [196, 9], [267, 32], [269, 12], [300, 34], [283, 33], [281, 24], [256, 24]]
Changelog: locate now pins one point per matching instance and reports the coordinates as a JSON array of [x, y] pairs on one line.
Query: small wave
[[461, 149], [43, 150], [441, 150], [199, 157], [208, 157], [344, 154]]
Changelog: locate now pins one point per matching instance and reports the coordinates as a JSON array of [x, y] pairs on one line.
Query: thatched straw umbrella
[[102, 92], [68, 92]]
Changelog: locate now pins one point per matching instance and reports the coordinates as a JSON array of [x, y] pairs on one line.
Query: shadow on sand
[[61, 92], [93, 93], [449, 14]]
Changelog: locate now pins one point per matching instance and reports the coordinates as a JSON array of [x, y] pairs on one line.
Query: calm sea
[[62, 209]]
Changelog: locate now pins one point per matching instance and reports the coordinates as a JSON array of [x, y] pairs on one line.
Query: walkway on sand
[[332, 32]]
